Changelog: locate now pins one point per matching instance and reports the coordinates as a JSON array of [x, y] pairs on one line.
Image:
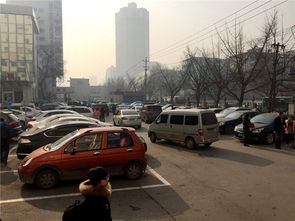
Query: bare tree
[[171, 80], [277, 57], [243, 61], [49, 69], [196, 70]]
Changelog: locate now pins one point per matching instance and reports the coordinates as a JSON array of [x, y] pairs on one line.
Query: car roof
[[185, 111], [99, 129], [5, 112]]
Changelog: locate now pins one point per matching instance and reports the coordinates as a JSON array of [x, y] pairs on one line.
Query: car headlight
[[27, 162], [258, 130], [221, 123]]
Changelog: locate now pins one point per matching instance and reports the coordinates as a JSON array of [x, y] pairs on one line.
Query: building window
[[11, 19], [12, 38], [20, 19], [12, 28], [3, 18], [28, 39], [4, 37], [4, 28]]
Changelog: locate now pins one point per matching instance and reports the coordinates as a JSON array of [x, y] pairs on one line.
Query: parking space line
[[8, 171], [164, 183]]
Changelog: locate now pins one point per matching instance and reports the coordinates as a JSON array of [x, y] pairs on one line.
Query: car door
[[82, 154], [161, 126], [176, 127], [119, 150]]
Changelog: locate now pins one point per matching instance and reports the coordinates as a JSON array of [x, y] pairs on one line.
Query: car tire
[[134, 170], [270, 138], [190, 143], [46, 179], [153, 137], [208, 144]]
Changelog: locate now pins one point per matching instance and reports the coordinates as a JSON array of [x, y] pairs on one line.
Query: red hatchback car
[[118, 149]]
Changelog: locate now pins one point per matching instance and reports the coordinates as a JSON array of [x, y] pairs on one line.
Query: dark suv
[[150, 112]]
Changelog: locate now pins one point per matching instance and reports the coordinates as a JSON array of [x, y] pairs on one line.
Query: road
[[225, 182]]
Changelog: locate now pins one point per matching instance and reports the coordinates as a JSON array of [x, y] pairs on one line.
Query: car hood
[[220, 115], [224, 119], [41, 152]]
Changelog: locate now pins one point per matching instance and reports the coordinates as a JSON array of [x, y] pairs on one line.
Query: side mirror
[[74, 150]]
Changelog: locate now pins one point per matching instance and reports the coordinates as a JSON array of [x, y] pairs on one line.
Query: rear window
[[191, 120], [129, 112], [208, 118], [154, 108], [12, 117], [176, 119], [80, 110]]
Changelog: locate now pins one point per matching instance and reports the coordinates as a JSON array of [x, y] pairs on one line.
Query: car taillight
[[124, 118], [24, 141], [201, 132], [30, 126], [12, 123], [30, 117]]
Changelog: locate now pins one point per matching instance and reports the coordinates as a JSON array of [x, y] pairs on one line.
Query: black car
[[263, 130], [30, 141], [13, 121], [228, 123]]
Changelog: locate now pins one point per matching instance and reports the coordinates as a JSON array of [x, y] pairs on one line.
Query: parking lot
[[224, 182]]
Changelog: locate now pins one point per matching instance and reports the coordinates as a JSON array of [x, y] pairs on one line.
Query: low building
[[18, 69]]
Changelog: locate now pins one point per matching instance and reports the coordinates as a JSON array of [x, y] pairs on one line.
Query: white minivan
[[191, 126]]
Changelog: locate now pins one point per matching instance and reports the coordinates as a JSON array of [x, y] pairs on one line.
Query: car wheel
[[270, 138], [133, 170], [208, 144], [190, 143], [153, 137], [46, 179]]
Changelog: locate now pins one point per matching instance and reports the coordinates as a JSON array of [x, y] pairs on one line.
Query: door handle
[[129, 150], [96, 153]]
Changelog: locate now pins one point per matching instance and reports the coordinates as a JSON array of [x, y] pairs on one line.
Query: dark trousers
[[246, 137], [279, 136], [4, 151], [289, 138]]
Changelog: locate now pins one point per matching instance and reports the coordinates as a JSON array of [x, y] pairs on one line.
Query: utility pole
[[145, 77], [273, 90]]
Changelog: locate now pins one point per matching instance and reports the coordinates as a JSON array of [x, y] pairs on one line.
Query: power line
[[192, 35], [177, 48], [234, 19]]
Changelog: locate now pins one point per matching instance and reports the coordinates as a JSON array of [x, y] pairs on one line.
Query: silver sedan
[[127, 117]]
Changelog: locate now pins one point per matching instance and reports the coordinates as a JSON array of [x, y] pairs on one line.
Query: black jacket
[[246, 125], [279, 125], [95, 207]]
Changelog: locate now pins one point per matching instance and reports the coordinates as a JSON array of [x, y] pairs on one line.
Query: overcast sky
[[89, 28]]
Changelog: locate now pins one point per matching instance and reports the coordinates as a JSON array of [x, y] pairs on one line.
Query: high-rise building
[[18, 59], [132, 40], [49, 42]]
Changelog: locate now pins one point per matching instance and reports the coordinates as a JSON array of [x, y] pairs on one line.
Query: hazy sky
[[89, 28]]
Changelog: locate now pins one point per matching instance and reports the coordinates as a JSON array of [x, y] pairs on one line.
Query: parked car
[[230, 110], [263, 130], [119, 150], [12, 121], [127, 117], [83, 110], [30, 141], [150, 112], [228, 123], [216, 109], [51, 106], [42, 122], [22, 116], [191, 126], [48, 113]]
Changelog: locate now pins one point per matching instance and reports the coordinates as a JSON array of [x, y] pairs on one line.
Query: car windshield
[[227, 111], [264, 119], [59, 143], [234, 115], [129, 113]]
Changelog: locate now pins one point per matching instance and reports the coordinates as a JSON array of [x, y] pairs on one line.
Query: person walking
[[96, 191], [290, 130], [246, 129], [279, 129], [102, 114], [5, 141], [96, 114]]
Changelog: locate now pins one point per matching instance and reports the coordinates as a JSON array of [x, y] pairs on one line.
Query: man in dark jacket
[[246, 129], [96, 206], [5, 141], [279, 129]]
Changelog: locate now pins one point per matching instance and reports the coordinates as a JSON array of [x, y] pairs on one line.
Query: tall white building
[[49, 42], [132, 40]]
